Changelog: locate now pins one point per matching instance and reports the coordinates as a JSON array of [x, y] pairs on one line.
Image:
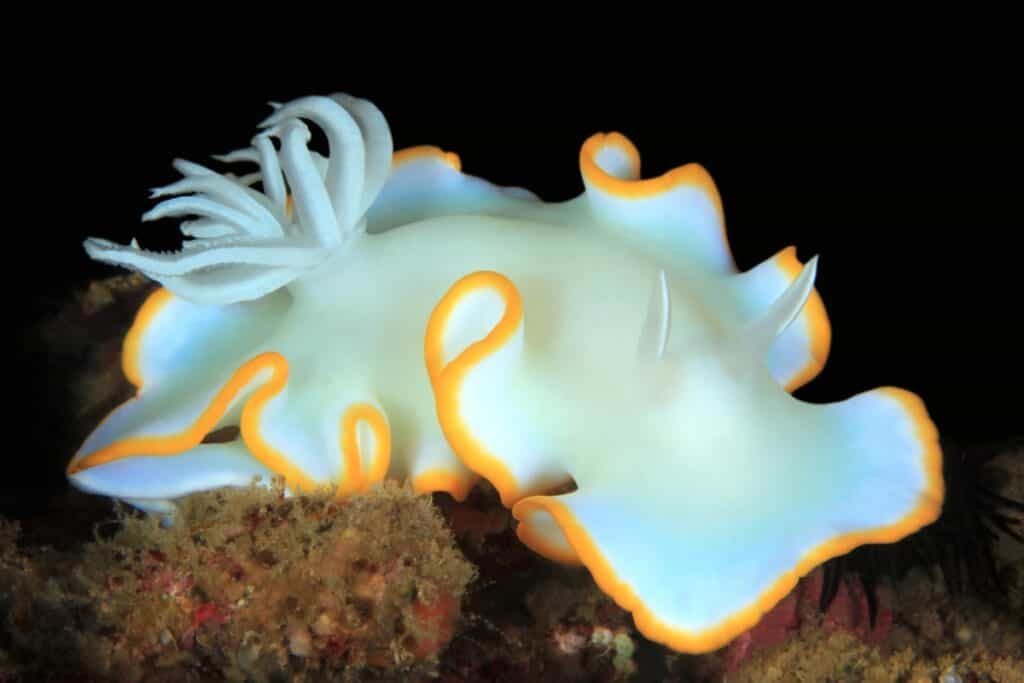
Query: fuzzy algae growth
[[247, 585]]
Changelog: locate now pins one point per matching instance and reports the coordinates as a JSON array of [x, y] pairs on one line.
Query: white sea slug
[[367, 315]]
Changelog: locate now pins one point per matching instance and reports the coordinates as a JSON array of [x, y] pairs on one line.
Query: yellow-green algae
[[934, 633], [246, 585]]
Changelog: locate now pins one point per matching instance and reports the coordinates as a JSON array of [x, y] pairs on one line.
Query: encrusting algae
[[921, 634], [246, 585]]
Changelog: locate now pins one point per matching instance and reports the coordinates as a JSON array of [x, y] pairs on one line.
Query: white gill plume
[[245, 243]]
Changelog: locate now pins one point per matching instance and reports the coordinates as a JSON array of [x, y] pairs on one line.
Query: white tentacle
[[273, 181], [243, 242], [239, 155], [247, 179], [346, 166], [762, 333], [219, 251], [210, 208], [312, 203], [190, 168], [229, 193], [378, 141], [230, 283], [205, 228]]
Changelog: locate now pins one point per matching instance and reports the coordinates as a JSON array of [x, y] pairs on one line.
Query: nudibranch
[[367, 314]]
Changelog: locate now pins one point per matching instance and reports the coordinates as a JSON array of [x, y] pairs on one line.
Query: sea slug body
[[369, 314]]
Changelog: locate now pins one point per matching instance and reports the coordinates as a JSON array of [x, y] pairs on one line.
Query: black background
[[914, 210]]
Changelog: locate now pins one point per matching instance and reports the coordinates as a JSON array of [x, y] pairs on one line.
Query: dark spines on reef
[[962, 542]]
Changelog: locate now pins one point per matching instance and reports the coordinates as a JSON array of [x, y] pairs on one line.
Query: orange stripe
[[687, 175], [404, 156], [354, 478], [926, 511], [273, 459], [537, 542], [448, 379], [192, 436], [382, 451], [131, 353], [598, 142], [819, 329], [930, 504], [433, 346], [439, 479]]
